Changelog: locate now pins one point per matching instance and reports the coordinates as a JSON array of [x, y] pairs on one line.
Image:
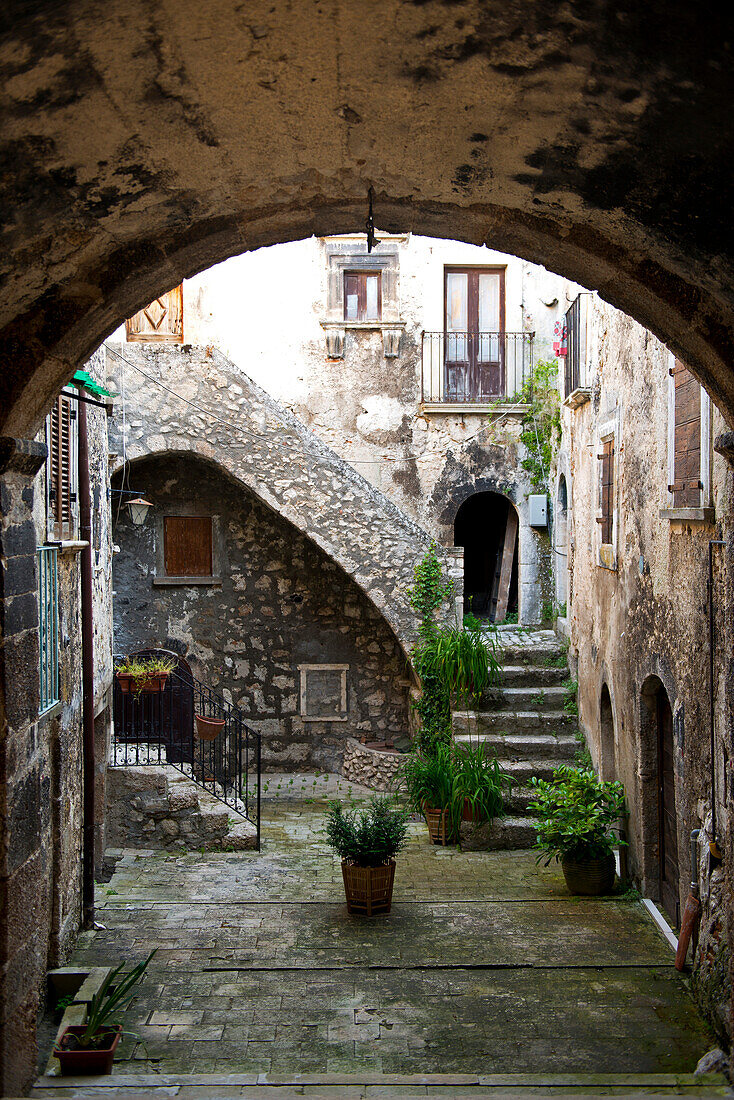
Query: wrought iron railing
[[160, 727], [471, 368], [48, 626]]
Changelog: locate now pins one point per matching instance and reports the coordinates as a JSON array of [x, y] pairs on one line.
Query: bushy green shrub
[[577, 814], [369, 837]]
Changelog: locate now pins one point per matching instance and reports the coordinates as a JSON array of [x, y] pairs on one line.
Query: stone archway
[[607, 739], [142, 148]]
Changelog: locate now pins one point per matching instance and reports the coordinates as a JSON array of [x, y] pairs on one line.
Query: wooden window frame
[[145, 336], [361, 276], [62, 481], [609, 433], [165, 579], [703, 510], [477, 269]]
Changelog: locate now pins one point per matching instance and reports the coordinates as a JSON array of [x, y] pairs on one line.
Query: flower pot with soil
[[208, 729], [577, 817], [136, 675], [367, 842], [90, 1047]]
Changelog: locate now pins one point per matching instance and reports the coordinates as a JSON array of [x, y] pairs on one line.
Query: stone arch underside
[[263, 447], [142, 147]]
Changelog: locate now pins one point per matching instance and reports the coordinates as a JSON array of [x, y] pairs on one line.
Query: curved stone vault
[[142, 142]]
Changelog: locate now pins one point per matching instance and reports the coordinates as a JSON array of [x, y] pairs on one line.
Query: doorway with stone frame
[[487, 526]]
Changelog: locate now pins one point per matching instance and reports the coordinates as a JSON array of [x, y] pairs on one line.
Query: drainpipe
[[85, 532], [713, 843]]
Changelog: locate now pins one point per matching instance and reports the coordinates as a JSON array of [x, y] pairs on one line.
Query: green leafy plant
[[142, 669], [577, 815], [541, 425], [511, 617], [427, 778], [478, 780], [106, 1007], [370, 837], [582, 756], [570, 702], [63, 1003]]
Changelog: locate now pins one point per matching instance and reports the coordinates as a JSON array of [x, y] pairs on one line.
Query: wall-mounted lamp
[[138, 510]]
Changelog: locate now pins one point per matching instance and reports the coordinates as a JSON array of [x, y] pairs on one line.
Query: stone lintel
[[23, 456]]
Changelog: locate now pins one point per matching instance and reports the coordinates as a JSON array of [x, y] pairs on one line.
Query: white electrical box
[[538, 510]]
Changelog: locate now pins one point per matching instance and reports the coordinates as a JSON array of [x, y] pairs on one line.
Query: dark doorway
[[486, 525], [668, 822], [606, 726]]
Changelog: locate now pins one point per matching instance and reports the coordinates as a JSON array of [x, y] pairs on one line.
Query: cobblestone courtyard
[[485, 965]]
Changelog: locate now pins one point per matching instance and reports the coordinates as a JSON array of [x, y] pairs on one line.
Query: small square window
[[187, 546], [362, 296], [323, 693]]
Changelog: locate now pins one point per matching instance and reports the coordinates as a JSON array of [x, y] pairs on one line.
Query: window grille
[[48, 626]]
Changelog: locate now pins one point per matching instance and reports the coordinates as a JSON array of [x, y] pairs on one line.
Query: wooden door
[[668, 822], [503, 572], [474, 327]]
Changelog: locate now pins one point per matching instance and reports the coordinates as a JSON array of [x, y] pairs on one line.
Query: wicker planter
[[78, 1061], [130, 686], [590, 876], [368, 889], [439, 828], [207, 729]]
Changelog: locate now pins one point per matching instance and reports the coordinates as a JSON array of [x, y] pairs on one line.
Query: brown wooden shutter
[[607, 491], [686, 487], [187, 546], [61, 496], [161, 322]]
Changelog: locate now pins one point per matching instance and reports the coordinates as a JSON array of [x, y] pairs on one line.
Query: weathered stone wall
[[280, 603], [648, 614], [264, 447]]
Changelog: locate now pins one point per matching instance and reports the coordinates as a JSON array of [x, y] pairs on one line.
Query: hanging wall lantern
[[138, 510]]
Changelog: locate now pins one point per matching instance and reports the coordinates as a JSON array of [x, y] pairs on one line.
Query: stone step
[[516, 800], [502, 833], [523, 770], [535, 746], [508, 722], [532, 697], [537, 655], [538, 676]]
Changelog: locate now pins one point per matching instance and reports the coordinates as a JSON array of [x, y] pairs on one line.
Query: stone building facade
[[642, 498]]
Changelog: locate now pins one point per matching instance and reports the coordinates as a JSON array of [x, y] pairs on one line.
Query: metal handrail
[[465, 367], [160, 728]]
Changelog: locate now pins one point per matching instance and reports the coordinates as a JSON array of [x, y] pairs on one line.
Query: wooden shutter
[[60, 493], [161, 322], [686, 487], [607, 491], [187, 546]]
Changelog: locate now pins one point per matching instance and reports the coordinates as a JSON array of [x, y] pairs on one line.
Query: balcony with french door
[[476, 371]]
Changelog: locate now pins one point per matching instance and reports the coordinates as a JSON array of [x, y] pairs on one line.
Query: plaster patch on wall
[[382, 414]]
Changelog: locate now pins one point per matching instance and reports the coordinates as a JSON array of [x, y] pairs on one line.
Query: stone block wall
[[278, 603], [370, 767]]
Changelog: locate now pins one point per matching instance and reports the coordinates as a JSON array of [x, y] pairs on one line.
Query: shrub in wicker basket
[[367, 842], [577, 817]]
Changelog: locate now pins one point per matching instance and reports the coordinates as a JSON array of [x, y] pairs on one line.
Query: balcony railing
[[159, 728], [475, 368]]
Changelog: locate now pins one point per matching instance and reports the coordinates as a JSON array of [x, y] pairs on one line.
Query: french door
[[474, 368]]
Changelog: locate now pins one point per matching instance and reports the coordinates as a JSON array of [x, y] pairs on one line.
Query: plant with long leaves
[[427, 778], [479, 779], [108, 1004], [578, 814]]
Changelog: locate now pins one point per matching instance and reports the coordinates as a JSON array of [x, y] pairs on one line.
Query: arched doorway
[[659, 745], [606, 729], [561, 543], [486, 525]]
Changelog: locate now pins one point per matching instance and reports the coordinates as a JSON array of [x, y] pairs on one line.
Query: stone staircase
[[526, 727]]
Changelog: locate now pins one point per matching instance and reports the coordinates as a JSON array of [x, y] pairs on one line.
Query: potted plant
[[90, 1047], [143, 674], [577, 816], [367, 843], [428, 778], [207, 729], [478, 783]]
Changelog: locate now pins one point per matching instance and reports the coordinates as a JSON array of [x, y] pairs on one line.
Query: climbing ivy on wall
[[434, 706], [541, 425]]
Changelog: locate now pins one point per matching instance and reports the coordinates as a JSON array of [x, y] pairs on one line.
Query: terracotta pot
[[130, 686], [590, 876], [207, 729], [79, 1061], [368, 889], [438, 826], [468, 813]]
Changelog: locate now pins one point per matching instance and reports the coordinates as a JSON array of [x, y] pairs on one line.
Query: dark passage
[[486, 526]]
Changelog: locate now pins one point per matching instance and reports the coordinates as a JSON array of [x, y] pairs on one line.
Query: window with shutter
[[61, 489], [606, 491], [573, 347], [687, 484], [187, 546], [362, 296], [160, 322]]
